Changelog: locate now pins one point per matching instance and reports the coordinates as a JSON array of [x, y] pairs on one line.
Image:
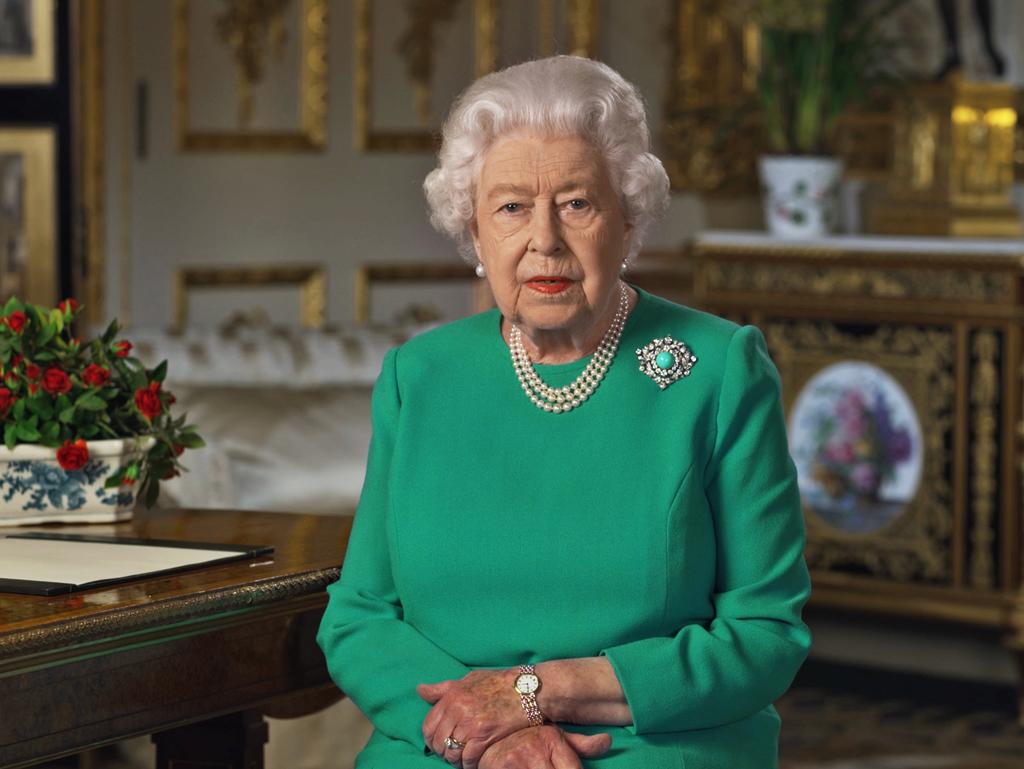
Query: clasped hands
[[483, 711]]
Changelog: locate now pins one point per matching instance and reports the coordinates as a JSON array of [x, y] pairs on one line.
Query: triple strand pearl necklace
[[558, 400]]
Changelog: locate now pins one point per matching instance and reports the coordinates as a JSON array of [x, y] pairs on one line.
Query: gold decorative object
[[953, 163], [27, 58], [945, 320], [89, 275], [368, 276], [418, 47], [28, 214], [712, 132], [915, 544], [984, 403], [310, 281], [249, 27]]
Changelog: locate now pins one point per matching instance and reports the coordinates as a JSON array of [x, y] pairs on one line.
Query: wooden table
[[197, 656]]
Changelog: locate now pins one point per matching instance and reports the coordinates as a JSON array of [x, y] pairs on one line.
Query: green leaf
[[67, 415], [10, 435], [111, 333], [45, 334], [89, 432], [191, 441], [115, 480], [41, 406], [27, 433], [51, 430], [159, 373], [19, 410], [90, 402], [152, 491], [63, 402]]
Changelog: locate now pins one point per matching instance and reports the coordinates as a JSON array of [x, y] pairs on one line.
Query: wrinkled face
[[550, 232]]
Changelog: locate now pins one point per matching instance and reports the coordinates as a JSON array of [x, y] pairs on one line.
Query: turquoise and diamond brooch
[[665, 360]]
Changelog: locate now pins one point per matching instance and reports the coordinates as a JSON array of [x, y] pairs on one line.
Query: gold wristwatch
[[527, 685]]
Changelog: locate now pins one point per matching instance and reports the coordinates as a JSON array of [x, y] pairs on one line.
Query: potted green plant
[[817, 58], [87, 429]]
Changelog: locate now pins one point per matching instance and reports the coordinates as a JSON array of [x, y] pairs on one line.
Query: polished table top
[[151, 655], [307, 554]]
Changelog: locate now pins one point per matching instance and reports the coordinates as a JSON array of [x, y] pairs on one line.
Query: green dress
[[660, 528]]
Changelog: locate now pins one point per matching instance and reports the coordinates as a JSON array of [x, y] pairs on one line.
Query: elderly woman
[[579, 541]]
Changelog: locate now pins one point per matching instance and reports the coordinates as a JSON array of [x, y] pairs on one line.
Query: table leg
[[234, 741]]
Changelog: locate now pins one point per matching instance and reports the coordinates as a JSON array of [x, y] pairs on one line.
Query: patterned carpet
[[974, 727]]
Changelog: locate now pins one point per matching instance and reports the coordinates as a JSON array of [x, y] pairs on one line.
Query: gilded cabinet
[[901, 367]]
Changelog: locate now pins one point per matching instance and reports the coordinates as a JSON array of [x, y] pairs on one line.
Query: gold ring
[[453, 744]]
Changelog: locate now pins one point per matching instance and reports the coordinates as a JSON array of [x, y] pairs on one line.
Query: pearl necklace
[[558, 400]]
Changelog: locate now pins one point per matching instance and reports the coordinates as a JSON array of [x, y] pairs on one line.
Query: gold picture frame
[[580, 19], [311, 136], [914, 544], [311, 282], [28, 214], [370, 276], [27, 52]]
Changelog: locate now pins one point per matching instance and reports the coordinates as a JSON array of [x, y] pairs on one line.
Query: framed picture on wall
[[410, 66], [272, 56], [26, 42], [28, 214]]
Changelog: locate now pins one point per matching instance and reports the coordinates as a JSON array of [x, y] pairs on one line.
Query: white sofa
[[286, 418]]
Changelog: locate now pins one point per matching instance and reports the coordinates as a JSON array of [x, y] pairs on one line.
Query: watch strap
[[529, 701]]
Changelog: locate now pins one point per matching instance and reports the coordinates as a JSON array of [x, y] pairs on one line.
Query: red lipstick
[[548, 284]]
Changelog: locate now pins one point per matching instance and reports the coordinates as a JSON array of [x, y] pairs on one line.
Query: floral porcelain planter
[[800, 195], [35, 489]]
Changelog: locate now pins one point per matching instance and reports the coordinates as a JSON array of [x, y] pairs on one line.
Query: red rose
[[95, 376], [147, 399], [7, 400], [178, 449], [16, 321], [32, 371], [56, 382], [33, 389], [73, 456], [68, 305], [122, 348]]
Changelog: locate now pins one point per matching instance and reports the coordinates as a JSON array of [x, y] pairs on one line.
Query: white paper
[[79, 562]]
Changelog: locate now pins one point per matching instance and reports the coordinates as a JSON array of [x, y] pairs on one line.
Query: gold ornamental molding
[[311, 283], [916, 544], [242, 27], [89, 277], [835, 280], [984, 480], [711, 128], [419, 48]]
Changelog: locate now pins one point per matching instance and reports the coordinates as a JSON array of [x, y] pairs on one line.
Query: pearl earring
[[480, 271], [624, 266]]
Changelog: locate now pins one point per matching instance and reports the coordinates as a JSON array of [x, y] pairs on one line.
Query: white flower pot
[[35, 489], [800, 195]]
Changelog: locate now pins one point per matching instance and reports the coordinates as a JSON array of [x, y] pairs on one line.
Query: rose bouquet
[[60, 392]]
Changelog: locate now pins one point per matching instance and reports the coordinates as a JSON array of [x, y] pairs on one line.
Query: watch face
[[527, 683]]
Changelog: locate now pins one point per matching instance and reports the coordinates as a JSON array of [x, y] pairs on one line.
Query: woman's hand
[[477, 710], [544, 747]]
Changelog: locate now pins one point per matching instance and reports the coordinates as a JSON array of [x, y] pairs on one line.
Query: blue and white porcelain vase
[[35, 489]]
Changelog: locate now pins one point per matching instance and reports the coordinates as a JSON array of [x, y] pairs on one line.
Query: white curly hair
[[560, 96]]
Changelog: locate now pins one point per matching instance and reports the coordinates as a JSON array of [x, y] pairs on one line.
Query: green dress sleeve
[[749, 653], [374, 656]]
